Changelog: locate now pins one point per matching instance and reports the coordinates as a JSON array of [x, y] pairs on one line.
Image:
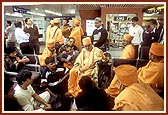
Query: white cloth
[[25, 99], [10, 30], [21, 36], [136, 32]]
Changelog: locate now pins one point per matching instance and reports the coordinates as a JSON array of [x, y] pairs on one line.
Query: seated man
[[71, 42], [84, 65], [136, 95], [9, 99], [53, 72], [49, 51], [14, 61], [27, 97], [91, 98], [68, 56], [153, 72], [70, 49], [129, 50]]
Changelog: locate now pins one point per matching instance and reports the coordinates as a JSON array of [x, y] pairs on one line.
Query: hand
[[82, 70], [28, 34], [15, 62], [36, 107], [18, 59], [47, 107], [92, 66]]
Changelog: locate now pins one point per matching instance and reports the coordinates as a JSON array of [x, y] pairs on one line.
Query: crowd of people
[[68, 62]]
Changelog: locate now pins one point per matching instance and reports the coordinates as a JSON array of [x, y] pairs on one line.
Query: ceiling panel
[[69, 9]]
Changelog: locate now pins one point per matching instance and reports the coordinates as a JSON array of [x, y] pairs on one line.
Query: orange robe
[[56, 34], [138, 97], [153, 73], [112, 90], [84, 60], [66, 31], [46, 53], [48, 33], [77, 34], [128, 52]]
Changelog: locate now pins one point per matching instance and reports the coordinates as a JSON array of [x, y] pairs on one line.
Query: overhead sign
[[20, 10], [120, 18]]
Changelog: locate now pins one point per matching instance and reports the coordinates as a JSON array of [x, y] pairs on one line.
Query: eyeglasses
[[87, 45]]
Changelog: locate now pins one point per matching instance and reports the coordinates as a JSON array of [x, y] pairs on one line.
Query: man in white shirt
[[10, 31], [22, 38], [27, 97], [136, 31]]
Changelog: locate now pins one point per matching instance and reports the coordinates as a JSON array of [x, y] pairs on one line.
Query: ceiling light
[[160, 8], [51, 12], [15, 14]]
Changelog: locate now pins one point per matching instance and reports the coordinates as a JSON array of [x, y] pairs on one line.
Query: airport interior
[[83, 56]]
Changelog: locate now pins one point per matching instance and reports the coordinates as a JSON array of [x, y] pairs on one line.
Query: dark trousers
[[35, 46], [25, 47], [11, 44]]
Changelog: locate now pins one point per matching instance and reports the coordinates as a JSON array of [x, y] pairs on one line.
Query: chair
[[144, 52], [141, 63], [33, 64], [136, 51], [105, 75], [116, 62]]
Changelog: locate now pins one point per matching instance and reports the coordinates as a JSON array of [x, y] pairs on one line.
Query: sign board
[[20, 10], [120, 18], [90, 27]]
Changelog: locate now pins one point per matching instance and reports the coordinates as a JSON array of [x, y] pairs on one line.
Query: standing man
[[149, 36], [160, 29], [49, 27], [66, 31], [22, 38], [136, 31], [77, 33], [99, 36], [10, 31], [34, 34], [56, 34]]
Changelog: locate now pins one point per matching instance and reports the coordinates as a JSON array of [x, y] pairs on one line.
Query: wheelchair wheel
[[104, 78]]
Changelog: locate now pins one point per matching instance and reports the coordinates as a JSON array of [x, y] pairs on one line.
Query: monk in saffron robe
[[47, 52], [129, 50], [136, 95], [84, 65], [77, 33], [56, 33], [48, 31], [153, 72]]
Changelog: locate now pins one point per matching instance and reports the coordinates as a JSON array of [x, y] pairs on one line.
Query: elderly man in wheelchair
[[86, 64]]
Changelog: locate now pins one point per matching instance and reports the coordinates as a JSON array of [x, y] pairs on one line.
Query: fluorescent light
[[15, 14], [160, 8], [51, 12], [146, 14], [34, 13]]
